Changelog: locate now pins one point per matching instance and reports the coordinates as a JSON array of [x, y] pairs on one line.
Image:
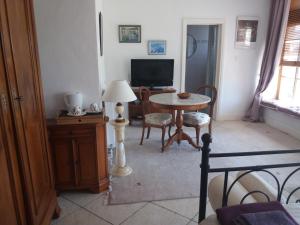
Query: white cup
[[76, 110]]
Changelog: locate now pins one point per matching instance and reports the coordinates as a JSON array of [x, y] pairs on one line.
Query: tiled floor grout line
[[171, 211], [98, 216], [197, 214], [135, 212], [83, 207], [190, 222], [99, 196], [60, 218]]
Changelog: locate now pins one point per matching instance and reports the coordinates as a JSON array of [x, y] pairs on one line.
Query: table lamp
[[119, 91]]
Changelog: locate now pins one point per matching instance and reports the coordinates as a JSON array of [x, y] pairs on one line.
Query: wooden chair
[[152, 118], [200, 119]]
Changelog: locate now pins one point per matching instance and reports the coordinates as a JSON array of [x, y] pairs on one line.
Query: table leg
[[179, 124], [179, 135]]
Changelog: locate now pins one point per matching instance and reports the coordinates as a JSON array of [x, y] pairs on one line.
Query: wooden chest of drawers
[[79, 155]]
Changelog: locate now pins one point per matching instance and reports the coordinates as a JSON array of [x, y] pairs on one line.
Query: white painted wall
[[109, 107], [101, 66], [282, 121], [162, 19], [68, 39]]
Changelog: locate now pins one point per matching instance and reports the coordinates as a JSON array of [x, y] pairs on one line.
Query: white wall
[[68, 39], [162, 19], [101, 66], [281, 121], [109, 106]]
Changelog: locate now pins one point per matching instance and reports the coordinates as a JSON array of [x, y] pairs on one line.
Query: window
[[289, 73]]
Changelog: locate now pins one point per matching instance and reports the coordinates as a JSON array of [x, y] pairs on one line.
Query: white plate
[[81, 114]]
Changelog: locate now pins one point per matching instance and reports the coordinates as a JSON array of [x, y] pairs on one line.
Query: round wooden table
[[171, 101]]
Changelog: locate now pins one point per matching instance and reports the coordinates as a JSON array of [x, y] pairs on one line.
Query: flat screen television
[[152, 72]]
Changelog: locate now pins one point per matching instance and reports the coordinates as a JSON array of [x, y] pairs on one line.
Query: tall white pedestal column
[[120, 168]]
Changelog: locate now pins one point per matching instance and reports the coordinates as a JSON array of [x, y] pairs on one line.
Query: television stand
[[155, 89], [135, 108]]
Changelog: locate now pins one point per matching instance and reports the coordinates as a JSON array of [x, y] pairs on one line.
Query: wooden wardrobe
[[27, 195]]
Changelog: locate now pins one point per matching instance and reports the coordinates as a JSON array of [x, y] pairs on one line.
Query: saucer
[[81, 114], [93, 112]]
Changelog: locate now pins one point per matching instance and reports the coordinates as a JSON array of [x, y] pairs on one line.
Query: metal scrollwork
[[251, 171], [285, 182], [291, 194], [253, 192]]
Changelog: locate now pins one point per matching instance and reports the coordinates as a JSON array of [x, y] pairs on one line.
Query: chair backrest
[[144, 94], [212, 92]]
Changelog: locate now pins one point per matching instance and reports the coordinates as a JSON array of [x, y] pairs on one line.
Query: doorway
[[201, 55]]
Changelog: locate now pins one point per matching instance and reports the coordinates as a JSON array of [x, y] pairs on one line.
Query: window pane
[[290, 60], [292, 43], [289, 71], [291, 50], [286, 89]]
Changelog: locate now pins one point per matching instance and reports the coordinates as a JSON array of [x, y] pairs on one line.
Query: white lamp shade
[[119, 91]]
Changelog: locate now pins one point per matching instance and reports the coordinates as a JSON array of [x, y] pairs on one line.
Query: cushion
[[252, 182], [159, 119], [273, 217], [196, 118], [215, 192], [227, 214]]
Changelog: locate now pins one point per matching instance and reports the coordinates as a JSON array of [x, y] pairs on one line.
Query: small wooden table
[[171, 101]]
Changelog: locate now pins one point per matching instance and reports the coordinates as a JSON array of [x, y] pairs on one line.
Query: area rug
[[175, 173]]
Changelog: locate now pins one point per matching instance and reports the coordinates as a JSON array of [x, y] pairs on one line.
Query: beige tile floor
[[95, 211], [92, 209]]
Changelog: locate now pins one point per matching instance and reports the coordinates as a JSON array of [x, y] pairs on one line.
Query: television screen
[[152, 72]]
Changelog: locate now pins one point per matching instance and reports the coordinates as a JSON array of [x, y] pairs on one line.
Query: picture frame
[[246, 31], [101, 33], [130, 33], [157, 47]]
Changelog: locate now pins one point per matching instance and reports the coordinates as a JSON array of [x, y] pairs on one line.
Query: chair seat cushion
[[196, 118], [159, 119]]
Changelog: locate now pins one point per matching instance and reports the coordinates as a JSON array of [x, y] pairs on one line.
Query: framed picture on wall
[[157, 47], [246, 32], [130, 33], [101, 33]]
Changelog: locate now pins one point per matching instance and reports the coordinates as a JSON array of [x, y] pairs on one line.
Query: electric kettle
[[72, 100]]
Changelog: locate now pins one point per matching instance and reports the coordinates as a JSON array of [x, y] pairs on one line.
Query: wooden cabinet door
[[63, 158], [26, 95], [12, 209], [102, 154], [8, 213], [86, 162]]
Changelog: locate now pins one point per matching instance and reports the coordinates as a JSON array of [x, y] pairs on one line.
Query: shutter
[[291, 50]]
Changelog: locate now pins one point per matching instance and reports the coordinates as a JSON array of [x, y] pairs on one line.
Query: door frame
[[219, 70]]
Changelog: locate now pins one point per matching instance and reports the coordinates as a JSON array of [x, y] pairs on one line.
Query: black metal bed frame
[[205, 170]]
